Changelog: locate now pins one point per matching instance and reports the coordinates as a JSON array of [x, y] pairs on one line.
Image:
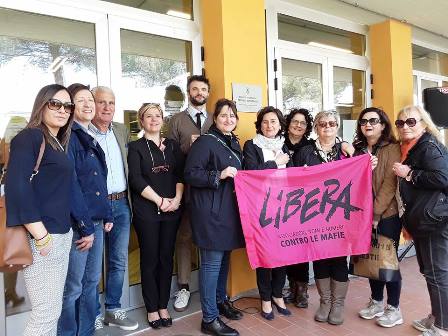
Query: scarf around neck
[[274, 144]]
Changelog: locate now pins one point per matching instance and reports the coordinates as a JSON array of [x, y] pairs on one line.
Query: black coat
[[428, 159], [254, 159], [309, 156], [215, 218]]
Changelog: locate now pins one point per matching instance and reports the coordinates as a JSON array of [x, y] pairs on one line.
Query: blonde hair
[[426, 118], [328, 113], [145, 108]]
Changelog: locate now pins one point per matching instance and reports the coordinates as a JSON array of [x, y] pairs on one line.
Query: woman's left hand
[[401, 170], [174, 204], [108, 227]]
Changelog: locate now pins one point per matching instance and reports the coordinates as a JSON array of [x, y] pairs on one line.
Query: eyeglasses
[[56, 104], [371, 121], [160, 169], [411, 122], [324, 124], [298, 122]]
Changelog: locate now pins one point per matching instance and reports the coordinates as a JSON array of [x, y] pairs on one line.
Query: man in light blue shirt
[[113, 138]]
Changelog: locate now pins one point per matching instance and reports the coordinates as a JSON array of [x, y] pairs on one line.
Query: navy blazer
[[215, 218], [89, 199]]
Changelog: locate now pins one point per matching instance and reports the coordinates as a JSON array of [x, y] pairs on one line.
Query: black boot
[[218, 328], [291, 296], [226, 309]]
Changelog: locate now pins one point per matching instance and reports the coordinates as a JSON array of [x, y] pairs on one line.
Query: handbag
[[381, 263], [15, 250]]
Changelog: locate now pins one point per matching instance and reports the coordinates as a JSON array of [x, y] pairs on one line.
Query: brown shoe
[[338, 294], [324, 289], [301, 298]]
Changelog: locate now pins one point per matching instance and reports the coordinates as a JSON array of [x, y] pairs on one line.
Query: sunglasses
[[324, 124], [371, 121], [56, 104], [411, 122]]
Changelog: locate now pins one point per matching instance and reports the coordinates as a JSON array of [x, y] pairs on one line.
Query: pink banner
[[302, 214]]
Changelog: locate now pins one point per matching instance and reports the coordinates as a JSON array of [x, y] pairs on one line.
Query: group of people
[[180, 185]]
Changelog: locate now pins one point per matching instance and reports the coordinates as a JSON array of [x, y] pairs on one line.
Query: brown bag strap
[[39, 159]]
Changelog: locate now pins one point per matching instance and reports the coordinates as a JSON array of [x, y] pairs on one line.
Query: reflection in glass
[[305, 32], [301, 85], [431, 61], [415, 90], [33, 54], [349, 93], [178, 8], [154, 70]]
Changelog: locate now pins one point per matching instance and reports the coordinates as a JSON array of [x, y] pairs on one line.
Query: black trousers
[[393, 290], [298, 272], [156, 239], [432, 257], [270, 282], [334, 268]]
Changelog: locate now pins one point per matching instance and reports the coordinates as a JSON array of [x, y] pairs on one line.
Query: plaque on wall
[[248, 98]]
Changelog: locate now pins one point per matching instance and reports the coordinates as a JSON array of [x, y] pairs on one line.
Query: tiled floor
[[414, 304]]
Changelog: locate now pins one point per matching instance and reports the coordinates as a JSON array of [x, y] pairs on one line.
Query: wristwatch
[[409, 176]]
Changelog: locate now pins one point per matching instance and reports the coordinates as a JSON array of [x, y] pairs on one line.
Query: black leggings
[[298, 272], [334, 268], [270, 282]]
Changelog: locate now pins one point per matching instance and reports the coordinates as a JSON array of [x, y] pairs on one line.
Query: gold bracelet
[[45, 242], [44, 245]]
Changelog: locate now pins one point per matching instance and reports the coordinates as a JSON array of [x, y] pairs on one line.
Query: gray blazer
[[123, 138]]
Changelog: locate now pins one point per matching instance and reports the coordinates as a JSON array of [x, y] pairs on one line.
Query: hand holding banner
[[296, 215]]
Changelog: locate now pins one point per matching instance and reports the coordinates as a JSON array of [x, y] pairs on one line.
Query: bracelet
[[42, 237], [44, 244]]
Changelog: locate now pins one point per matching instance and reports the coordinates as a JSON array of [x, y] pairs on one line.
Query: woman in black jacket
[[212, 163], [423, 183], [268, 151], [156, 182], [331, 274]]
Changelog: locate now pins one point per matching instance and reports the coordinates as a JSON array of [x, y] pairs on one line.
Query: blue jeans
[[212, 281], [116, 244], [79, 301]]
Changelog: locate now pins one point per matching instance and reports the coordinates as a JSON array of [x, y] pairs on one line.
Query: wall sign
[[247, 97]]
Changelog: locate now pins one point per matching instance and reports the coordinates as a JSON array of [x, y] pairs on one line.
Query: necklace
[[157, 169], [57, 141]]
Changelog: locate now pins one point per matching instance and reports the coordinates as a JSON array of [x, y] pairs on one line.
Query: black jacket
[[215, 219], [428, 160], [254, 159], [309, 156]]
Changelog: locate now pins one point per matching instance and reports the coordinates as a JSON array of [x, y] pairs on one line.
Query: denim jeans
[[79, 302], [213, 281], [432, 253], [116, 245]]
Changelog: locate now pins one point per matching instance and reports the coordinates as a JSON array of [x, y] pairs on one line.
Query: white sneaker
[[182, 300], [99, 322], [373, 309], [391, 317], [424, 324], [434, 331]]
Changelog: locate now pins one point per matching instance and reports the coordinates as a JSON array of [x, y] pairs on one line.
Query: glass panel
[[178, 8], [349, 93], [431, 61], [415, 90], [445, 84], [314, 34], [154, 70], [36, 50], [301, 85]]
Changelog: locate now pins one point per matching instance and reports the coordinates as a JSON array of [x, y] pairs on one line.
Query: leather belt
[[117, 196]]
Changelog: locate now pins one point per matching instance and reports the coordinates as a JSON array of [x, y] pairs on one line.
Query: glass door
[[33, 53], [154, 65], [319, 82]]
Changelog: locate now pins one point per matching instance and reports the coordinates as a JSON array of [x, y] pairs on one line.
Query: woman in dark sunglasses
[[43, 205], [331, 274], [156, 181], [374, 136], [423, 183]]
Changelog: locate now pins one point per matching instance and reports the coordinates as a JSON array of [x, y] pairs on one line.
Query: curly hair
[[308, 118]]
